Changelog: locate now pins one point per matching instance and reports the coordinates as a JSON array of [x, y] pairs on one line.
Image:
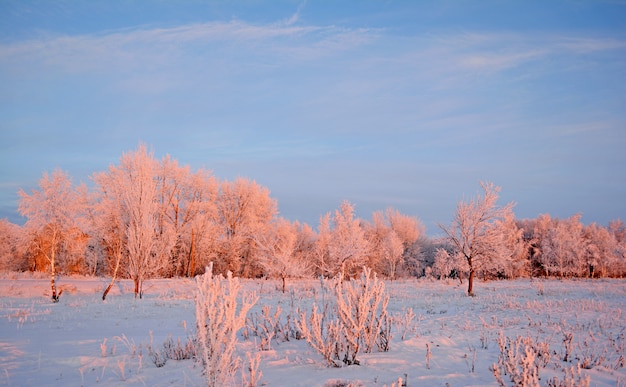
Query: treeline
[[149, 218]]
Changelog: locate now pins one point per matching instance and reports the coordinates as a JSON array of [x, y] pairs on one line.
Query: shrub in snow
[[218, 319], [517, 360], [362, 311], [323, 333], [399, 382], [404, 322], [342, 383], [266, 326], [358, 320], [254, 374], [573, 378]]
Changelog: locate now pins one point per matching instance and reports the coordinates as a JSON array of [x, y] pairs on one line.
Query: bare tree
[[52, 224], [474, 233]]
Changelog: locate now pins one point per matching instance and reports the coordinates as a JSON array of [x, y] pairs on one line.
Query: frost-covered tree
[[474, 233], [244, 208], [618, 230], [514, 263], [12, 256], [108, 225], [347, 245], [137, 171], [446, 265], [187, 212], [305, 246], [320, 252], [390, 235], [603, 254], [408, 228], [560, 246], [54, 218], [277, 251], [392, 250], [131, 189], [375, 232]]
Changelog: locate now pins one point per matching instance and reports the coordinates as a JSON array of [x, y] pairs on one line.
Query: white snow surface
[[83, 341]]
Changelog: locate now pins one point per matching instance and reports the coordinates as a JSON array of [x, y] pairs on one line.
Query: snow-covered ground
[[451, 341]]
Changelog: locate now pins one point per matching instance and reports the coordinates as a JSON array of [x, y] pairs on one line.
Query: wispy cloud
[[497, 62], [582, 45], [293, 19], [138, 47]]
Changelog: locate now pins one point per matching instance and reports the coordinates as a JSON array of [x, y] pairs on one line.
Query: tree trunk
[[108, 288], [117, 265], [283, 278], [470, 286], [137, 282], [55, 297], [192, 263]]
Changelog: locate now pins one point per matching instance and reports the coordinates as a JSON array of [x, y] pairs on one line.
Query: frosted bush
[[254, 374], [405, 323], [323, 333], [357, 320], [266, 326], [362, 311], [573, 378], [218, 319], [519, 360]]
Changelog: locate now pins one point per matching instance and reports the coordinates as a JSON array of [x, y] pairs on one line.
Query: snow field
[[450, 339]]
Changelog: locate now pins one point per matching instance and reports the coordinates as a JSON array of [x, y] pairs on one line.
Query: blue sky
[[404, 104]]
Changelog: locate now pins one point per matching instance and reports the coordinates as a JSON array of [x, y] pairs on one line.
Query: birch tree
[[474, 234], [132, 186], [138, 171], [52, 224]]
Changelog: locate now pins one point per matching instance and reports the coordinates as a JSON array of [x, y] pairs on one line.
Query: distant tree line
[[148, 218]]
